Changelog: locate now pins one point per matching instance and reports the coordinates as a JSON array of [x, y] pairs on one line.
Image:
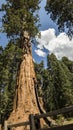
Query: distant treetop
[[61, 11]]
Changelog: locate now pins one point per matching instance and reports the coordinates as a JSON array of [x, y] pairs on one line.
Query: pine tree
[[57, 87], [62, 84], [9, 62], [54, 71], [1, 80], [61, 11], [68, 63], [39, 68], [47, 88], [12, 57]]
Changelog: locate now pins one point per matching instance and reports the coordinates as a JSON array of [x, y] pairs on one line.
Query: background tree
[[39, 72], [69, 71], [47, 89], [54, 71], [45, 85], [57, 87], [39, 68], [68, 63], [1, 80], [10, 57], [62, 83], [61, 11]]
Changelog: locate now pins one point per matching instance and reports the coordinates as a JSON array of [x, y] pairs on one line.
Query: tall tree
[[9, 60], [20, 24], [47, 88], [39, 68], [1, 80], [61, 76], [12, 57], [61, 11], [54, 71], [45, 85], [57, 87]]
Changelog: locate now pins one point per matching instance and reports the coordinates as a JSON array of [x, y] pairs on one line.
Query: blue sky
[[3, 38], [45, 20]]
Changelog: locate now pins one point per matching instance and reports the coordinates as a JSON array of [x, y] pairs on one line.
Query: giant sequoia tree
[[61, 11], [19, 22]]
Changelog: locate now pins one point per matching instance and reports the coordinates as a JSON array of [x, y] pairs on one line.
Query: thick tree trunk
[[25, 100]]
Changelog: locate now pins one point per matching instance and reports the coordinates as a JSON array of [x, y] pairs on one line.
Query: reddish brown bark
[[25, 99]]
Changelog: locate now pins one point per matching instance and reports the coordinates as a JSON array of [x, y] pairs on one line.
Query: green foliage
[[47, 88], [68, 63], [10, 58], [57, 88], [20, 16], [60, 119], [61, 11], [1, 72], [62, 85], [39, 71]]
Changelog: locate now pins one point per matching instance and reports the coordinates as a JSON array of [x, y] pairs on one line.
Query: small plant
[[60, 119]]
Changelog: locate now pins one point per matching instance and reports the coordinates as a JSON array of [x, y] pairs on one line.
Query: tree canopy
[[61, 11], [19, 16]]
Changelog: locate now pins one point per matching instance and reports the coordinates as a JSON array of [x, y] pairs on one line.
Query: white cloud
[[60, 45], [40, 53]]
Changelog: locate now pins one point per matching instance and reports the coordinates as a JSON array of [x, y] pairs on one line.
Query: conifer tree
[[9, 60], [39, 68], [61, 80], [20, 16], [68, 63], [57, 88], [61, 11], [1, 80], [48, 95]]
